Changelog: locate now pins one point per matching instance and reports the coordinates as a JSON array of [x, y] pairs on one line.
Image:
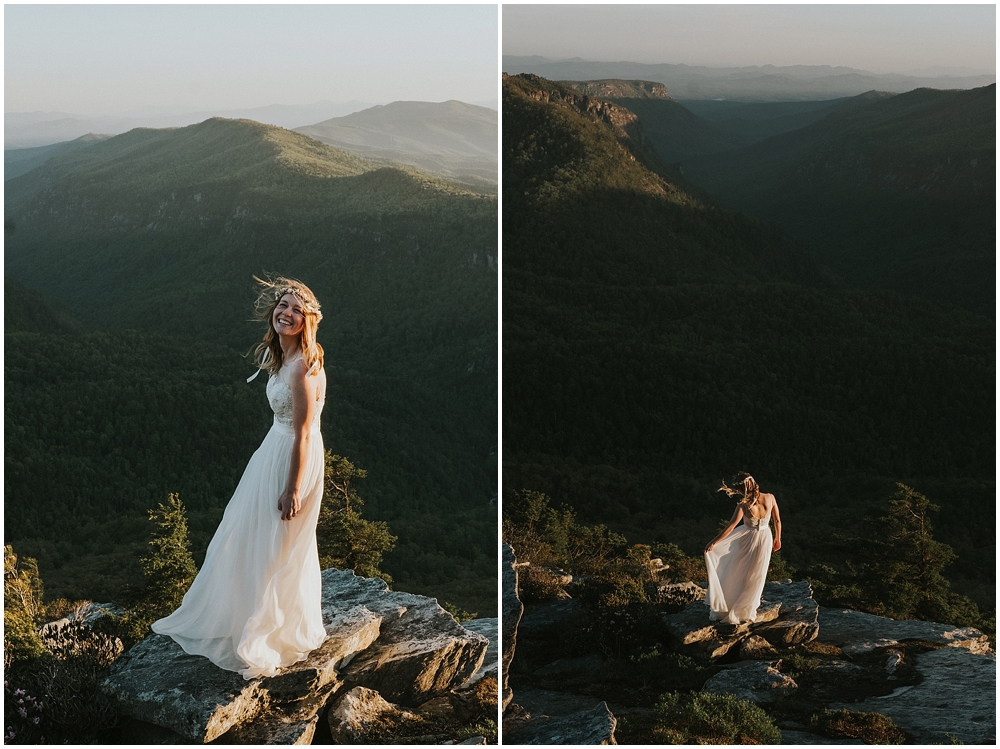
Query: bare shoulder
[[770, 499], [297, 370]]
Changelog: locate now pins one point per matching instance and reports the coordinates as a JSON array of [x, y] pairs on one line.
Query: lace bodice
[[757, 524], [279, 395]]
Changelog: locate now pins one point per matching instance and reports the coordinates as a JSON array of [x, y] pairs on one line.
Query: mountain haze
[[752, 83], [450, 139], [22, 160], [30, 129]]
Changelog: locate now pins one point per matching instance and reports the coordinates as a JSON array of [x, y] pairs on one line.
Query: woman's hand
[[288, 505], [711, 545], [776, 545]]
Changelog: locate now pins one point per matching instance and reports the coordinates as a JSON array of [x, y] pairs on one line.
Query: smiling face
[[288, 318]]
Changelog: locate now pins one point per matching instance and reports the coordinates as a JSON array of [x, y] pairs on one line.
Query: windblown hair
[[749, 491], [267, 354]]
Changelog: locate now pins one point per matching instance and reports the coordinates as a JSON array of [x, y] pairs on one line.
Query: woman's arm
[[776, 517], [303, 407], [737, 516]]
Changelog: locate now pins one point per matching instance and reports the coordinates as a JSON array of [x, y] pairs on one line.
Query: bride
[[737, 559], [255, 605]]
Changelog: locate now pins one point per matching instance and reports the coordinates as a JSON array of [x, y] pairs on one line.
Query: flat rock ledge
[[956, 698], [401, 645], [857, 633], [586, 727]]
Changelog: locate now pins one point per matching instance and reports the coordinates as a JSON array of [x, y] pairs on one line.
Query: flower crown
[[310, 307]]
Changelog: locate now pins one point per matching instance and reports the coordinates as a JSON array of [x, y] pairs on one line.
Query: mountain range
[[149, 240], [752, 83], [451, 139], [655, 343]]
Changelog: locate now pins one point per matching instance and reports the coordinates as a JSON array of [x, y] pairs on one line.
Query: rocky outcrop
[[512, 610], [787, 615], [956, 698], [406, 647], [594, 726], [613, 88]]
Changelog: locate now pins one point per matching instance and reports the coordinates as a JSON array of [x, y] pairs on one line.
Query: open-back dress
[[255, 605], [737, 570]]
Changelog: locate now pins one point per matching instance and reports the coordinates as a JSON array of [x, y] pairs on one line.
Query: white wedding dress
[[255, 605], [737, 570]]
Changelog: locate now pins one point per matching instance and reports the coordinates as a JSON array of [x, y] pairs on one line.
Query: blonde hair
[[267, 354], [750, 491]]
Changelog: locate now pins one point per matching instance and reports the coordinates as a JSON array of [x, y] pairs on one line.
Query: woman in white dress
[[738, 557], [255, 605]]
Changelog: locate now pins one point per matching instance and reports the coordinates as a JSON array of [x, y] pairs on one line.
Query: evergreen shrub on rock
[[702, 718]]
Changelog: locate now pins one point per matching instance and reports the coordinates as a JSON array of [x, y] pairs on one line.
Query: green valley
[[656, 343]]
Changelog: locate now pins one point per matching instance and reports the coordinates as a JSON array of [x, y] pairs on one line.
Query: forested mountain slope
[[150, 239], [654, 346], [583, 186], [897, 192]]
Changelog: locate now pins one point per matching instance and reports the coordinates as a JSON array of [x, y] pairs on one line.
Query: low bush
[[702, 718], [871, 728]]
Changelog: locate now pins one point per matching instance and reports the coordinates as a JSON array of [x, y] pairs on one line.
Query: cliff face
[[619, 89], [404, 647]]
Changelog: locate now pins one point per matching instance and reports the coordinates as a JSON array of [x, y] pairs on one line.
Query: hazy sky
[[113, 59], [871, 37]]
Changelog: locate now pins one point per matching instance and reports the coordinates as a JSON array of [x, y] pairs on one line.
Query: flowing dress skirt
[[255, 605], [737, 571]]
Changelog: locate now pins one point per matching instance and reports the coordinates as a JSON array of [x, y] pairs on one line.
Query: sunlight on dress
[[255, 605], [737, 571]]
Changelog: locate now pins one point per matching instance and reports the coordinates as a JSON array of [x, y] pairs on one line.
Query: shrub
[[681, 567], [702, 718], [537, 584], [614, 590], [872, 728], [22, 599], [461, 615]]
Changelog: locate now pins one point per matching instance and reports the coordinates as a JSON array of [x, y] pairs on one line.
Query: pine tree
[[910, 563], [169, 570], [345, 539]]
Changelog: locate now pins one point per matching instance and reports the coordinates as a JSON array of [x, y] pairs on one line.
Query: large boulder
[[421, 651], [798, 618], [512, 610], [956, 699], [404, 644], [359, 712], [856, 632]]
